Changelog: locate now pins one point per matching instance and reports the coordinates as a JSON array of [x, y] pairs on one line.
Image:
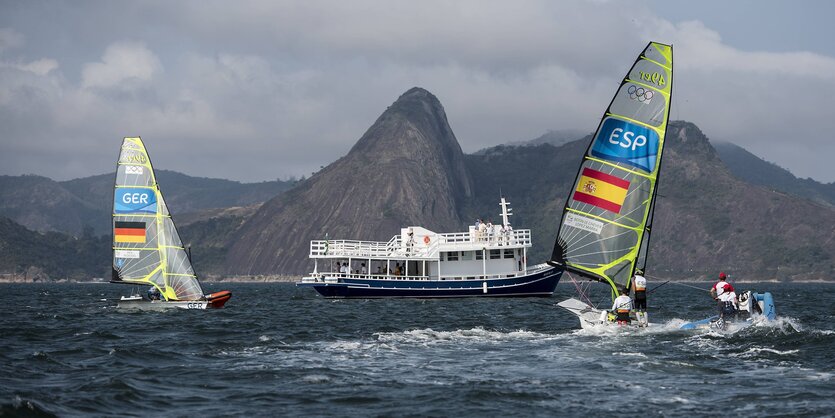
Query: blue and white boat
[[753, 307], [419, 263]]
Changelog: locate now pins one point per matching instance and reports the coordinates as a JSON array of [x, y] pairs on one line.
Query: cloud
[[269, 89], [10, 39], [123, 64]]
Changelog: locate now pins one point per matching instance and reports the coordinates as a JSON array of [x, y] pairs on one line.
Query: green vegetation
[[60, 256]]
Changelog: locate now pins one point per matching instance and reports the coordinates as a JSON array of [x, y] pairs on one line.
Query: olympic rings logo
[[640, 94]]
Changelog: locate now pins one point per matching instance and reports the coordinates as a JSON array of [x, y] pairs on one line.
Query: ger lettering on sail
[[605, 225]]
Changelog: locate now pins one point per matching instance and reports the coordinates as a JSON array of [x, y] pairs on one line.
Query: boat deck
[[424, 245]]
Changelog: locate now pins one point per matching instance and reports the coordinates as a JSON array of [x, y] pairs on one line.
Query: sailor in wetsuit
[[622, 306], [153, 293], [639, 286]]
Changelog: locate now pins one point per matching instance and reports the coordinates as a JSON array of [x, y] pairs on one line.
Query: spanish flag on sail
[[602, 190], [129, 232]]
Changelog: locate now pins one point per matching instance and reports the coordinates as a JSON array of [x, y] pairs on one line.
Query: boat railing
[[512, 237], [395, 247], [353, 248], [369, 249]]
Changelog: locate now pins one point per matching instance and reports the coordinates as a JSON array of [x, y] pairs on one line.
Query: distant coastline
[[9, 278]]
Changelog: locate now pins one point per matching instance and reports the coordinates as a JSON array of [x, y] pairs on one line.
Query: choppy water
[[278, 350]]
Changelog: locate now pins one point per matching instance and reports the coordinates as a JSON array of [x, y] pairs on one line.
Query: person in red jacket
[[725, 295]]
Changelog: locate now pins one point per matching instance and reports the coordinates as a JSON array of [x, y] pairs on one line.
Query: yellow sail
[[606, 223], [146, 246]]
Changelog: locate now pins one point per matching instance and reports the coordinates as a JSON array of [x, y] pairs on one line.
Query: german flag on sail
[[129, 232], [602, 190]]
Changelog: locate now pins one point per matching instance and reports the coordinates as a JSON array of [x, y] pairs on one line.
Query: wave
[[428, 336]]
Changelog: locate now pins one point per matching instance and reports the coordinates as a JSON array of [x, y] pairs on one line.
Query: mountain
[[719, 208], [553, 137], [33, 256], [42, 204], [706, 219], [755, 170], [407, 169]]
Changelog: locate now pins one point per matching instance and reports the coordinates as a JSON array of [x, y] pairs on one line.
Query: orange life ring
[[426, 239]]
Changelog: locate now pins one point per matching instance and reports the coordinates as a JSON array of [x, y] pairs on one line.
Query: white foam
[[428, 336], [264, 338], [626, 354], [316, 378], [755, 351], [613, 330]]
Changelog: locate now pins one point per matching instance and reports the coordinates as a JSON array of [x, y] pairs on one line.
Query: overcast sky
[[259, 90]]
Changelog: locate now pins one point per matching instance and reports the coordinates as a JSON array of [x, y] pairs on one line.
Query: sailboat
[[606, 222], [147, 249]]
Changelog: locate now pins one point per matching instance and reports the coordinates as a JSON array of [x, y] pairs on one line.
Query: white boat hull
[[593, 318], [137, 303]]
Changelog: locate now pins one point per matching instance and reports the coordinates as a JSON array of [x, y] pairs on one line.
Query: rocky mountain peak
[[407, 169]]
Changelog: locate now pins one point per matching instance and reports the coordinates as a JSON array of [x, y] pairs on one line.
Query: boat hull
[[157, 305], [213, 301], [541, 283], [593, 318], [766, 306]]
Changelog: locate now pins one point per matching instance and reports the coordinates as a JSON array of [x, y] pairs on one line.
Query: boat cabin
[[420, 254]]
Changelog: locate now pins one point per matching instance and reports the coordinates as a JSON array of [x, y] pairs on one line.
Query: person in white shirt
[[490, 231], [363, 270], [725, 295], [622, 306]]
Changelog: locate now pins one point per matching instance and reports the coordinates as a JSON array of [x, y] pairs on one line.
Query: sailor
[[490, 231], [639, 286], [410, 244], [725, 296], [153, 293], [622, 306]]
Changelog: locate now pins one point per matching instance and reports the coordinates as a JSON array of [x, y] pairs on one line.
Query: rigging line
[[656, 287], [579, 289], [691, 286]]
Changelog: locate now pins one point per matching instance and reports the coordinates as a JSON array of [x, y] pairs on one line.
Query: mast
[[506, 212], [606, 221]]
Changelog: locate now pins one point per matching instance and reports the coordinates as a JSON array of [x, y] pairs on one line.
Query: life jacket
[[640, 284]]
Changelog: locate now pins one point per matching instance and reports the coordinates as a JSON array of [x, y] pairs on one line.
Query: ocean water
[[277, 350]]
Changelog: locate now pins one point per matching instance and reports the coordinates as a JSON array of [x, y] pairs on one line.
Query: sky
[[261, 90]]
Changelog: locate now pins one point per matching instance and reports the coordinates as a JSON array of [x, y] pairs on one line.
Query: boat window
[[452, 256], [495, 254], [508, 254], [479, 255]]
